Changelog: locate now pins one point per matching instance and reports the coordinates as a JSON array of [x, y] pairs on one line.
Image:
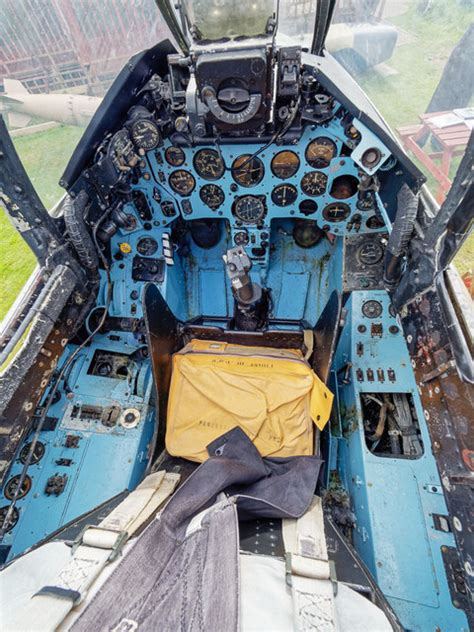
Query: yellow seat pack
[[272, 394]]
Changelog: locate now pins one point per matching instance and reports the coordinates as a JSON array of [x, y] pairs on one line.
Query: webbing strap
[[96, 547], [308, 571]]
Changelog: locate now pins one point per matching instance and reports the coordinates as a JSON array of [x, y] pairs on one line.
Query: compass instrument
[[182, 182], [284, 195], [175, 156], [247, 171], [208, 164], [285, 164], [336, 212], [212, 195], [145, 134], [249, 209], [314, 183], [320, 152]]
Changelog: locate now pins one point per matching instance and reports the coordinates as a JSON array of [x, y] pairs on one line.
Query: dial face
[[247, 171], [375, 222], [147, 246], [182, 182], [336, 212], [212, 195], [284, 195], [121, 151], [365, 201], [37, 455], [13, 519], [208, 164], [12, 484], [320, 152], [146, 134], [249, 209], [314, 183], [241, 238], [285, 164], [175, 156], [370, 253], [372, 309]]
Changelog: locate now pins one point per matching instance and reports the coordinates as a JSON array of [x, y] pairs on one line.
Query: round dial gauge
[[285, 164], [336, 212], [182, 182], [12, 485], [247, 171], [320, 152], [284, 195], [372, 309], [241, 238], [145, 134], [147, 246], [175, 156], [13, 518], [370, 253], [208, 164], [314, 183], [37, 455], [249, 209], [212, 195]]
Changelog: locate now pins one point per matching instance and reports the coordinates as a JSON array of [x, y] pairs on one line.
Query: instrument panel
[[251, 184]]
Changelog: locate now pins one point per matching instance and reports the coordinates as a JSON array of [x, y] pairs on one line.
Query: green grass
[[419, 64], [402, 97], [44, 156]]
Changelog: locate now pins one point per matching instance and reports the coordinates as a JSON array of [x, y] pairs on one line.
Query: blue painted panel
[[292, 296], [393, 498]]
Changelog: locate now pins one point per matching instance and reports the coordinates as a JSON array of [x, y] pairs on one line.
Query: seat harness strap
[[308, 571], [96, 547]]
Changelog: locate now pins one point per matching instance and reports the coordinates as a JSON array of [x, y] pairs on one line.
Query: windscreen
[[414, 59], [213, 20]]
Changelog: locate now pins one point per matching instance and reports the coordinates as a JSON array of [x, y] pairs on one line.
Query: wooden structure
[[447, 142], [73, 45]]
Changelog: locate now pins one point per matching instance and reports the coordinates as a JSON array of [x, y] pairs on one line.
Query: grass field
[[399, 97], [44, 156]]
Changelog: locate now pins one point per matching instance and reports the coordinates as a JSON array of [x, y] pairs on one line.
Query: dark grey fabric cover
[[170, 581]]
